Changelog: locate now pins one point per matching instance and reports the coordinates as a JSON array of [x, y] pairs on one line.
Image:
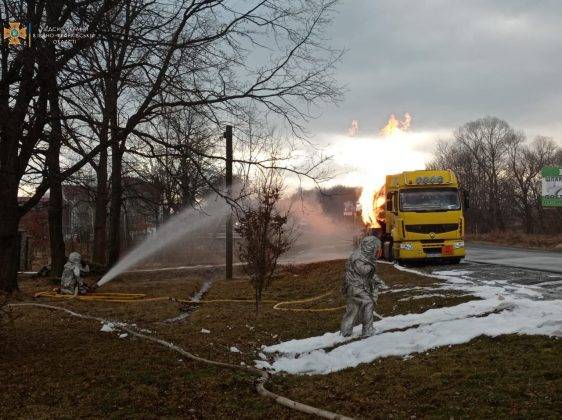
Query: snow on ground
[[504, 308], [109, 327]]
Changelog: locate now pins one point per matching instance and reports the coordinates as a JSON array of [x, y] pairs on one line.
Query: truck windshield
[[429, 199]]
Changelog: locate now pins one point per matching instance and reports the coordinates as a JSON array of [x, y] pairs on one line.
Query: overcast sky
[[447, 62]]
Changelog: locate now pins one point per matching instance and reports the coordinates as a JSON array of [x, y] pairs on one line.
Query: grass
[[520, 239], [56, 366], [510, 376]]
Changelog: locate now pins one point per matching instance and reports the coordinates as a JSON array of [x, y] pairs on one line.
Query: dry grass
[[520, 239], [506, 377], [57, 366]]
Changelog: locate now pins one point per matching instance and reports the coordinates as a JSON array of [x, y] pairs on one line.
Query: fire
[[395, 126], [372, 205], [372, 197]]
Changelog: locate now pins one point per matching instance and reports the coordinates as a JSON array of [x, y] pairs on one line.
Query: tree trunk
[[100, 222], [117, 150], [9, 215], [9, 211], [56, 237], [115, 205], [55, 224], [529, 221]]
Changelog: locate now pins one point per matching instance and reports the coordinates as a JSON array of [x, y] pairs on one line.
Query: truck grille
[[441, 228]]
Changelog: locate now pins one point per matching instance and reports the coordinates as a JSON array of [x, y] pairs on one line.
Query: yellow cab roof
[[422, 178]]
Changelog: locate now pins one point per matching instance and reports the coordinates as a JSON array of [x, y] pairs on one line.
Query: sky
[[445, 62]]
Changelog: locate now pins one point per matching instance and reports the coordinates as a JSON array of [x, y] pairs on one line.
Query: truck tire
[[388, 253]]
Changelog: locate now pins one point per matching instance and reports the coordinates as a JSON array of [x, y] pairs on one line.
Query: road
[[531, 259]]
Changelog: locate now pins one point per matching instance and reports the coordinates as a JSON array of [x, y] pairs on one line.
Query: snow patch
[[205, 331], [108, 327], [454, 272], [504, 308], [234, 350]]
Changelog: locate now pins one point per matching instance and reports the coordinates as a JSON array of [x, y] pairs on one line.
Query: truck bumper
[[448, 249]]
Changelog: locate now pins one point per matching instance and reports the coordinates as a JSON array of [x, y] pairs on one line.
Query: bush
[[265, 232]]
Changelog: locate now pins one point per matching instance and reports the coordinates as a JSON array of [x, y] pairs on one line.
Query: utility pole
[[229, 240]]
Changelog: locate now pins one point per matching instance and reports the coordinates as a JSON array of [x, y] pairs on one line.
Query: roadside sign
[[551, 186]]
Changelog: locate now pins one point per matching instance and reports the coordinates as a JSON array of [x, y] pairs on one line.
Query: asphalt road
[[531, 259]]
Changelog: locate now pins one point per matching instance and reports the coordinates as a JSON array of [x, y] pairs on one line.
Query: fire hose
[[264, 376], [139, 298]]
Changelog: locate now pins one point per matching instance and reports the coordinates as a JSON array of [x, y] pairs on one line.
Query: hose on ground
[[139, 297], [279, 305], [260, 383]]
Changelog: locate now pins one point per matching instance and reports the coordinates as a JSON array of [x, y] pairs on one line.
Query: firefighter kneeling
[[71, 280]]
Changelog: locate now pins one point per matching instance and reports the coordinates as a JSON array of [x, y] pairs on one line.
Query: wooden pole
[[229, 239]]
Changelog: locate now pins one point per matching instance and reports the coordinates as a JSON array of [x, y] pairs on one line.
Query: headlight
[[459, 244], [407, 246]]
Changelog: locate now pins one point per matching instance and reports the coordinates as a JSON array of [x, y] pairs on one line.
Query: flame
[[395, 126], [373, 198], [375, 156], [353, 130], [372, 205]]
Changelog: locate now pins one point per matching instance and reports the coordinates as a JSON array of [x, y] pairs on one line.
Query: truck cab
[[423, 217]]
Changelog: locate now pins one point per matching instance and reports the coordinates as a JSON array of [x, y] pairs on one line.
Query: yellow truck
[[422, 217]]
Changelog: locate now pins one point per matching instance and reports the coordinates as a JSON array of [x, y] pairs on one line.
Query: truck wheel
[[387, 251], [454, 261], [390, 251]]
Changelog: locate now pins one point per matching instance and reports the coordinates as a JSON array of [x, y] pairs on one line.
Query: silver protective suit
[[360, 287], [71, 280]]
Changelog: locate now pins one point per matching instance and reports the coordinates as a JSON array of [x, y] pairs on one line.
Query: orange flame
[[372, 199], [394, 126], [372, 206]]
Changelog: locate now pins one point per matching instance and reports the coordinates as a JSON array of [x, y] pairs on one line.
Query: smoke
[[324, 233], [182, 232], [197, 236]]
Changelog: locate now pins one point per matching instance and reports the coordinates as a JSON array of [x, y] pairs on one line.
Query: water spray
[[186, 223]]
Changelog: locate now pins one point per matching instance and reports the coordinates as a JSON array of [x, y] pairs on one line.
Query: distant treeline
[[501, 171]]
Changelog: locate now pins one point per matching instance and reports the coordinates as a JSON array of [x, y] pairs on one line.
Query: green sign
[[551, 186]]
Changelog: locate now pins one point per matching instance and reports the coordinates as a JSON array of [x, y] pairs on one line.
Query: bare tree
[[526, 162], [62, 107], [486, 142], [26, 88], [501, 171], [177, 167], [202, 61], [265, 231]]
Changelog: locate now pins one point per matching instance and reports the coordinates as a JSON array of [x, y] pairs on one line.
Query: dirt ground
[[54, 365]]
